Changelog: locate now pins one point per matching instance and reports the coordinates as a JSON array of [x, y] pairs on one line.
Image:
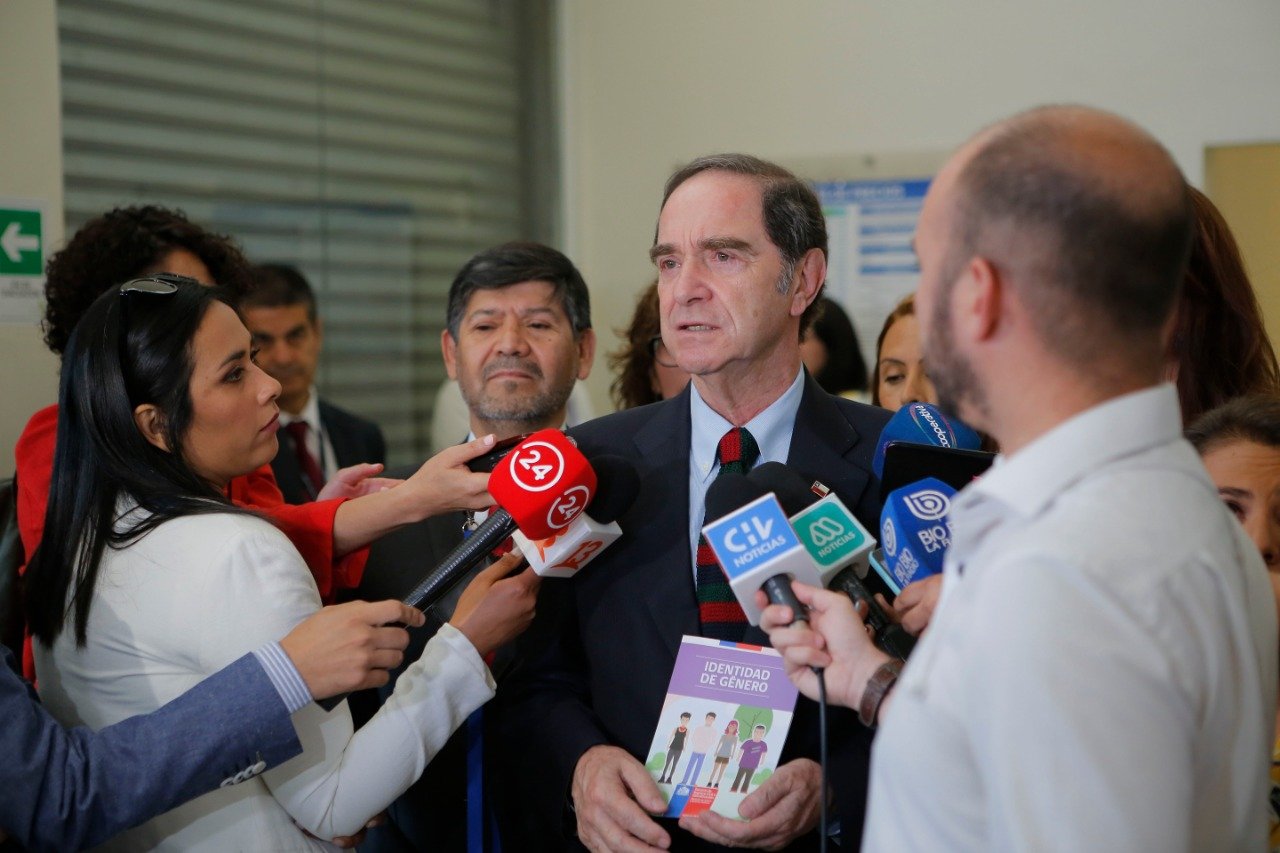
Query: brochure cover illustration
[[722, 726]]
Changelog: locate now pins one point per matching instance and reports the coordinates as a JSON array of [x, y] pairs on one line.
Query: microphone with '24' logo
[[540, 488]]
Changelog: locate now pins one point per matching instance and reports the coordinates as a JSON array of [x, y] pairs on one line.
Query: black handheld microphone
[[730, 493], [795, 496]]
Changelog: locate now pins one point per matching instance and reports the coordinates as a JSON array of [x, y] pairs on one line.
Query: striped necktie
[[718, 611]]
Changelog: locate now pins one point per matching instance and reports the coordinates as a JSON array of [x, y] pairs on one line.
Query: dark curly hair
[[123, 244], [633, 361]]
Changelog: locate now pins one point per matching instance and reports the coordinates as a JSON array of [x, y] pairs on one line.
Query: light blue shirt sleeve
[[284, 676]]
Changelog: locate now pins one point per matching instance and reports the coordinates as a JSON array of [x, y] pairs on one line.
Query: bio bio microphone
[[915, 531], [563, 554], [540, 487], [755, 545], [924, 423]]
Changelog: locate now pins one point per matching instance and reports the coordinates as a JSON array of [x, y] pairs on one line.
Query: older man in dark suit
[[741, 256]]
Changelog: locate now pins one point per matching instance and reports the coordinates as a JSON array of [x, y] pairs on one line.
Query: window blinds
[[375, 144]]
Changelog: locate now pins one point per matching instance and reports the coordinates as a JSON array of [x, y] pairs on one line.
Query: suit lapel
[[820, 442], [671, 599]]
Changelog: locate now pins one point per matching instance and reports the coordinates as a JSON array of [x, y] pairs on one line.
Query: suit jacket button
[[257, 768]]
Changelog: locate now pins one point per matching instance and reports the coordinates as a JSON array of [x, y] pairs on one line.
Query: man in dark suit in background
[[316, 438], [741, 256], [518, 337]]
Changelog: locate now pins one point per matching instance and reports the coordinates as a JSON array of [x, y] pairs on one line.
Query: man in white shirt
[[1100, 673]]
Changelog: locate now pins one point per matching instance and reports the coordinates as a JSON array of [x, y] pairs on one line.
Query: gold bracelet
[[878, 686]]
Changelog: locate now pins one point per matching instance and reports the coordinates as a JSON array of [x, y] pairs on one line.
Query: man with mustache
[[518, 336]]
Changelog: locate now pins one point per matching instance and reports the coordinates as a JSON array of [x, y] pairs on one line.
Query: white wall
[[30, 168], [649, 85]]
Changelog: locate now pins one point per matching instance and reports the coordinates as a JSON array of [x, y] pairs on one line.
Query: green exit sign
[[21, 239]]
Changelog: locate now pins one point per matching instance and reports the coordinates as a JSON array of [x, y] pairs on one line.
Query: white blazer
[[192, 596]]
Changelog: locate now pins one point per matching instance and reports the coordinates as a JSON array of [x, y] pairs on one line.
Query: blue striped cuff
[[284, 676]]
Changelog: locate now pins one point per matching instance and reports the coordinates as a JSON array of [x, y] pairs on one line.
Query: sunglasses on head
[[160, 284]]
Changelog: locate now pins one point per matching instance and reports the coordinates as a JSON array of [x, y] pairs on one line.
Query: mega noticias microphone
[[923, 423], [839, 545], [563, 554], [915, 531], [755, 545], [835, 539], [540, 487]]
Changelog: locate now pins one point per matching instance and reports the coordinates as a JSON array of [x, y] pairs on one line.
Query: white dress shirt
[[771, 429], [1100, 673], [195, 594]]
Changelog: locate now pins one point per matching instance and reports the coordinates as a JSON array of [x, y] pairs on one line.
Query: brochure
[[722, 726]]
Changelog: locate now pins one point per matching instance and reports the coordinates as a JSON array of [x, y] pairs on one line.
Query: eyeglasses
[[660, 352]]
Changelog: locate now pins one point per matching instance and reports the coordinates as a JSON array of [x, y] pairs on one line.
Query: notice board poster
[[871, 266]]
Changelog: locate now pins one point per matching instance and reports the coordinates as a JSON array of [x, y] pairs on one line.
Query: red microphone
[[540, 487], [544, 483]]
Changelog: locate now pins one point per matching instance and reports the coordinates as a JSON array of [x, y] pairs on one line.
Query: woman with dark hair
[[331, 533], [646, 372], [1239, 442], [832, 355], [898, 376], [150, 579], [1218, 345]]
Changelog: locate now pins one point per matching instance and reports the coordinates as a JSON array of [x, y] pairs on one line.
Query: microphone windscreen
[[915, 530], [787, 485], [729, 492], [924, 423], [544, 483], [617, 485]]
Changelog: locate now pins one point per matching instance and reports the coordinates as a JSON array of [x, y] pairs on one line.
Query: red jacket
[[309, 526]]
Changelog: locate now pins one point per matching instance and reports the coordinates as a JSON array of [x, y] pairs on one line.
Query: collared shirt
[[771, 429], [1100, 673], [317, 440], [284, 676]]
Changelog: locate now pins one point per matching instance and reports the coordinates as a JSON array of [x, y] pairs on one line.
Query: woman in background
[[832, 355], [1218, 348], [150, 578], [1240, 445], [646, 371], [898, 376]]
